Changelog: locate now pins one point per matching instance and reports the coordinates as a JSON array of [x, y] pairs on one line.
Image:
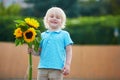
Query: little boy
[[55, 48]]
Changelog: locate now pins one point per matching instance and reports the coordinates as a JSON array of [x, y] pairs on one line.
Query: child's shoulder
[[65, 32], [43, 33]]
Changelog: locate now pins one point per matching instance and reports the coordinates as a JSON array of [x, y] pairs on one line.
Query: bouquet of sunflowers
[[27, 32]]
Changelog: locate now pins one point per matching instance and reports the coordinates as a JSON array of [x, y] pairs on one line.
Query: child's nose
[[54, 17]]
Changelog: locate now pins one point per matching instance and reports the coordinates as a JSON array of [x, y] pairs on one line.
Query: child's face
[[54, 21]]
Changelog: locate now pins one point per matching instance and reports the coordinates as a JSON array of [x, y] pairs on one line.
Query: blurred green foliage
[[71, 7], [14, 10], [94, 30], [7, 15], [83, 30], [74, 8], [95, 8], [115, 7], [6, 28], [99, 7]]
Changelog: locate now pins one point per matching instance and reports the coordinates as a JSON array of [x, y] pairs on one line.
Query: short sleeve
[[67, 40], [40, 46], [41, 41]]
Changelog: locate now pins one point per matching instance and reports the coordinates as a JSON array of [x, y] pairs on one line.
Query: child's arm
[[32, 51], [66, 69]]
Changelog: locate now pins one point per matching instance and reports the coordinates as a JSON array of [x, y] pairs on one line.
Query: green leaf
[[19, 41], [18, 21], [22, 24], [36, 44], [17, 25], [16, 42], [38, 39], [38, 33], [24, 28]]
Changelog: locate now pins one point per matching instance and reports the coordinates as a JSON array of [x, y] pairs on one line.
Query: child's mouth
[[54, 22]]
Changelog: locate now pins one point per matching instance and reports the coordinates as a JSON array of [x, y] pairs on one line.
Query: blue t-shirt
[[53, 53]]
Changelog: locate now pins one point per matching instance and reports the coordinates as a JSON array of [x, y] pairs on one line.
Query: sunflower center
[[29, 35]]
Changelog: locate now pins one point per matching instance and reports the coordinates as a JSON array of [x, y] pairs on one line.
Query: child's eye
[[51, 16], [58, 17]]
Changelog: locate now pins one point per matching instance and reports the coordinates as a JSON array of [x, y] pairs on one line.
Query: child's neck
[[54, 29]]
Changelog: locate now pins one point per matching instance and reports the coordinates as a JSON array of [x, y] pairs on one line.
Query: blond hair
[[62, 15]]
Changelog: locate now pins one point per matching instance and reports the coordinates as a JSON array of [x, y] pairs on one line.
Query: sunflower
[[29, 35], [18, 32], [32, 22]]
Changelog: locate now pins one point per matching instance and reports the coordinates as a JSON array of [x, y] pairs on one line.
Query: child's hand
[[66, 70], [30, 50]]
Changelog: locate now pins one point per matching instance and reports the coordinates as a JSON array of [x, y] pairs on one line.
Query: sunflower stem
[[30, 64], [30, 67]]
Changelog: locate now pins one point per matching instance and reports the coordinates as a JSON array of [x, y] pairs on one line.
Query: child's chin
[[54, 27]]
